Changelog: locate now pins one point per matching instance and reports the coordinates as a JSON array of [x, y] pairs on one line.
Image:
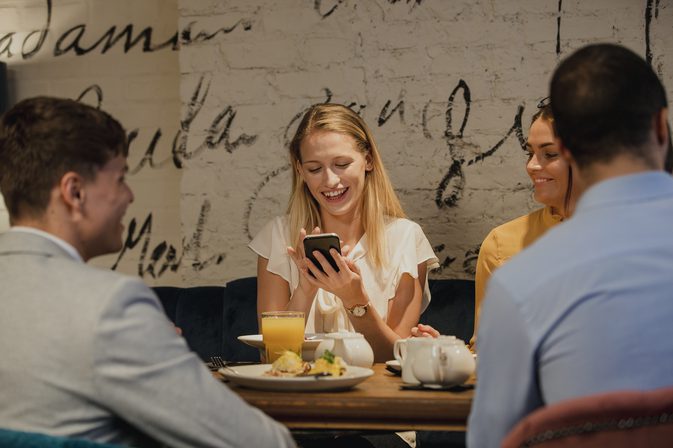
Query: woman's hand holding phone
[[339, 276], [344, 283]]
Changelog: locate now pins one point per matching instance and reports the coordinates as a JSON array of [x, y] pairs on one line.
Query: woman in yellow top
[[552, 179]]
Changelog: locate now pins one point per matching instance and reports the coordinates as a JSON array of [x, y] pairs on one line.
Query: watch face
[[359, 311]]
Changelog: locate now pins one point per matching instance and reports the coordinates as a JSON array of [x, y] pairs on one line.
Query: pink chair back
[[614, 419]]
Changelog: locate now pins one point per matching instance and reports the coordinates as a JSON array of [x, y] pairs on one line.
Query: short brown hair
[[43, 138]]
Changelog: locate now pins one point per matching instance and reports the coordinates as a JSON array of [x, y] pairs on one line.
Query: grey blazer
[[86, 352]]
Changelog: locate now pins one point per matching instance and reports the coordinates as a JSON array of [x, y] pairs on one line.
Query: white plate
[[253, 376], [394, 365], [310, 343]]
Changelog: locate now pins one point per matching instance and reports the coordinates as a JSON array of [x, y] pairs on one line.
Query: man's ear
[[662, 132], [661, 126], [71, 189]]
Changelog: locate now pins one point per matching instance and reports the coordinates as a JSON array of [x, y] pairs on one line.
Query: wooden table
[[378, 403]]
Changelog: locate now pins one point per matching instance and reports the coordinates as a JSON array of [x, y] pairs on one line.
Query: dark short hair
[[43, 138], [604, 98]]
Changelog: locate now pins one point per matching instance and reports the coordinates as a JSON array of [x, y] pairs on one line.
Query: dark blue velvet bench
[[20, 439], [212, 317]]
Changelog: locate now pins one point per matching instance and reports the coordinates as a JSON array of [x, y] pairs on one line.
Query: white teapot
[[446, 361], [352, 347]]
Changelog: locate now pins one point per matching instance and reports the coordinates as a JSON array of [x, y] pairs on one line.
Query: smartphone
[[322, 242]]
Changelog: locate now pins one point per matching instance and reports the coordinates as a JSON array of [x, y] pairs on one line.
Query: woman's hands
[[301, 262], [346, 284], [424, 331]]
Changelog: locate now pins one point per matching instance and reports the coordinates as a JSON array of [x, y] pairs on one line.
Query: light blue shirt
[[586, 309]]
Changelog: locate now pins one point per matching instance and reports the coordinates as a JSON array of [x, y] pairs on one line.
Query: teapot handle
[[441, 362], [397, 350]]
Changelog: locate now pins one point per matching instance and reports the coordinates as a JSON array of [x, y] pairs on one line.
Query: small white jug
[[352, 347], [405, 351], [445, 362]]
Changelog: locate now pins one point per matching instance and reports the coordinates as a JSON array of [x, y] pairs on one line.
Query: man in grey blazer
[[86, 352]]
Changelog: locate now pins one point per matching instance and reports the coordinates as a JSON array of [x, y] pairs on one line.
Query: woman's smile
[[335, 195]]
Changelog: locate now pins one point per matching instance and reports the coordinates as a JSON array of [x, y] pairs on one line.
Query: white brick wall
[[280, 57], [372, 52]]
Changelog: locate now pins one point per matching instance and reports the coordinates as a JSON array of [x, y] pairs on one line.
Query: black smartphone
[[322, 242]]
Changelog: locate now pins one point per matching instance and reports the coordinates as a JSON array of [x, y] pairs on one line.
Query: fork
[[217, 361]]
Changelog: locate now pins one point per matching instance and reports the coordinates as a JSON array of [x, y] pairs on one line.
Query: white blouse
[[407, 247]]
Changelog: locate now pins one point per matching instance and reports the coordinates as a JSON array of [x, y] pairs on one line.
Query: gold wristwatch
[[358, 310]]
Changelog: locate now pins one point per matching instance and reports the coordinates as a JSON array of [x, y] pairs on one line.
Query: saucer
[[394, 365], [311, 341]]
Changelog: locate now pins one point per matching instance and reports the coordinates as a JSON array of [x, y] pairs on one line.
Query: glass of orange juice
[[282, 330]]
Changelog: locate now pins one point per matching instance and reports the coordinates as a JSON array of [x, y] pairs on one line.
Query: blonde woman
[[340, 186]]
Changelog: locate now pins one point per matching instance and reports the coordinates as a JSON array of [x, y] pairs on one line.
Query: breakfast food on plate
[[328, 364], [289, 364]]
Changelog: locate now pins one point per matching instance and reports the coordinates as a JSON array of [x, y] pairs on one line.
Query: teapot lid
[[344, 335], [452, 340], [421, 340]]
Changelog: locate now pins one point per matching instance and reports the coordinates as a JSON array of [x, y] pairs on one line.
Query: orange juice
[[282, 330]]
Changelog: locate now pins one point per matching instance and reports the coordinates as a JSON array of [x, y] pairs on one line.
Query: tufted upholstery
[[212, 317], [451, 310]]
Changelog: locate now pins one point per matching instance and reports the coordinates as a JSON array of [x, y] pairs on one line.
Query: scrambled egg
[[328, 364], [288, 364], [291, 364]]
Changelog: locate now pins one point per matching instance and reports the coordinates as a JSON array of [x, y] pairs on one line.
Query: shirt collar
[[625, 189], [69, 248], [549, 218], [360, 249]]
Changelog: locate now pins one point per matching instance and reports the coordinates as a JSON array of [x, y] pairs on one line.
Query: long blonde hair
[[379, 201]]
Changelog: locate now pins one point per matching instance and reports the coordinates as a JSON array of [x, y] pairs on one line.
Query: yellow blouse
[[505, 241]]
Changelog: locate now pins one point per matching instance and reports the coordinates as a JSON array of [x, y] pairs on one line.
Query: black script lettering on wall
[[649, 55], [79, 41], [450, 188], [158, 258], [325, 8], [217, 135]]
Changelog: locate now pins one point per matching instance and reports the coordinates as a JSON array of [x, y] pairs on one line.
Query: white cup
[[405, 351], [446, 361]]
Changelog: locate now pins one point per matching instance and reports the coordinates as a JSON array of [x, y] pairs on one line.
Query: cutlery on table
[[217, 362]]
